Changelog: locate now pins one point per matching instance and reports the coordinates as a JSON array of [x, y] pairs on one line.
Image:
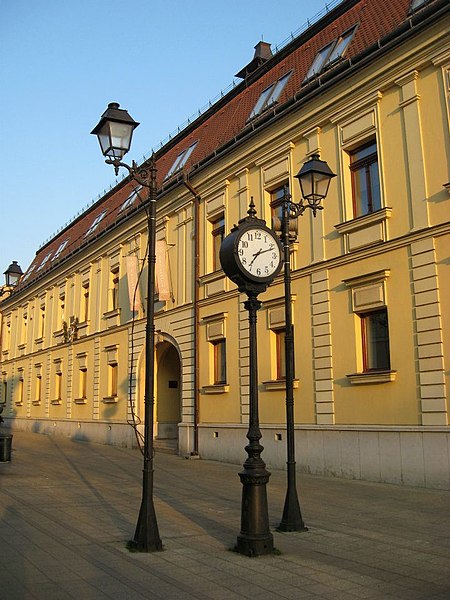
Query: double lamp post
[[114, 132]]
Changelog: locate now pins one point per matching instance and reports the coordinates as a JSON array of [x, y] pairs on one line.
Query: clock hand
[[255, 256]]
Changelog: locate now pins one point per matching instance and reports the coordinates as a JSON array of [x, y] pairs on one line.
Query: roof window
[[269, 96], [415, 4], [131, 198], [95, 223], [28, 273], [181, 160], [46, 259], [60, 249], [331, 53]]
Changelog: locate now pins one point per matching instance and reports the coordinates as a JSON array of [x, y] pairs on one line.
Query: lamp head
[[114, 132]]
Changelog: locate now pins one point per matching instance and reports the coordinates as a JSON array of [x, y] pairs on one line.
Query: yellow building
[[367, 88]]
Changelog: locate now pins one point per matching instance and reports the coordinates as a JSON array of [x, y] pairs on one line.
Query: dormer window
[[60, 249], [95, 223], [131, 198], [415, 4], [181, 160], [43, 263], [28, 273], [331, 53], [269, 96]]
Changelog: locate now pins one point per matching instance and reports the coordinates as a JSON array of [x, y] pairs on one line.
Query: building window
[[375, 340], [112, 379], [58, 386], [4, 397], [181, 160], [82, 383], [28, 273], [280, 341], [269, 96], [114, 289], [131, 198], [20, 389], [365, 180], [44, 262], [95, 223], [42, 323], [218, 233], [85, 303], [330, 53], [60, 249], [24, 330], [38, 388], [415, 4], [220, 362], [61, 313]]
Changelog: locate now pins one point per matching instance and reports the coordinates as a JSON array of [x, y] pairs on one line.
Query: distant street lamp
[[114, 132], [314, 178], [12, 275]]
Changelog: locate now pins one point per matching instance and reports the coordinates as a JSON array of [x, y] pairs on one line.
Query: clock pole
[[255, 538]]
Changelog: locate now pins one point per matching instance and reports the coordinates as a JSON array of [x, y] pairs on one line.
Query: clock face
[[258, 252]]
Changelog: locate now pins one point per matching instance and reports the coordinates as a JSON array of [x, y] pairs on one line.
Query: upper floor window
[[375, 338], [269, 96], [95, 223], [330, 53], [28, 273], [218, 233], [181, 160], [365, 179], [43, 263], [415, 4], [60, 249], [131, 198]]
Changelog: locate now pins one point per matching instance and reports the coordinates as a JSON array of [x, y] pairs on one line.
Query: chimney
[[262, 54]]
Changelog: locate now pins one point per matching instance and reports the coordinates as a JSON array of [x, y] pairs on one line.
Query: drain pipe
[[197, 197]]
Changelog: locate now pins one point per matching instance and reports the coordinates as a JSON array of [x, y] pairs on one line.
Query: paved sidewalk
[[68, 508]]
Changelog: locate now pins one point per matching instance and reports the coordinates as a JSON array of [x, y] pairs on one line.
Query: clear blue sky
[[61, 63]]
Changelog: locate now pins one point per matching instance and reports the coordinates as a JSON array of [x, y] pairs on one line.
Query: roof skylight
[[60, 249], [269, 96], [131, 198], [46, 259], [181, 160], [331, 53], [95, 223]]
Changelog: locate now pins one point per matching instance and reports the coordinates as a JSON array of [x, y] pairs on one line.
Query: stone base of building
[[415, 456], [100, 432]]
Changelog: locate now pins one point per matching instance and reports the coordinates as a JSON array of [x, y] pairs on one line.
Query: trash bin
[[5, 448]]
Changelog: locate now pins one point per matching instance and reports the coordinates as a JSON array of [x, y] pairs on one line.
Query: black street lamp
[[12, 274], [114, 132], [314, 177]]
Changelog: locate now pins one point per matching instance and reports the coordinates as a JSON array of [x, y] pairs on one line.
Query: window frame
[[218, 235], [269, 96], [181, 160], [219, 361], [95, 223], [368, 354], [327, 55], [363, 165]]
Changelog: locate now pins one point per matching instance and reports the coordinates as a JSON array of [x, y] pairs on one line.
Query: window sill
[[278, 384], [80, 400], [112, 317], [19, 403], [56, 402], [36, 402], [372, 377], [216, 388], [364, 231], [110, 399]]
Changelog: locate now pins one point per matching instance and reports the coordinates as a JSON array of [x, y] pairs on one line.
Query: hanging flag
[[134, 292], [162, 274]]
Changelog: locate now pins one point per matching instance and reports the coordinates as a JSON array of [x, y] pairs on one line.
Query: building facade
[[368, 89]]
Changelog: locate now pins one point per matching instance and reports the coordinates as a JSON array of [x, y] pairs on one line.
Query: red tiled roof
[[229, 116]]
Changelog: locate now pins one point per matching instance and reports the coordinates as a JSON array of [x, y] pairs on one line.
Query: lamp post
[[314, 178], [12, 275], [114, 132]]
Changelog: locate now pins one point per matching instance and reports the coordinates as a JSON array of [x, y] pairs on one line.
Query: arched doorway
[[167, 395]]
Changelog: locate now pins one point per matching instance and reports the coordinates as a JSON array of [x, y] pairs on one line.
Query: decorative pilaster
[[429, 337], [322, 350]]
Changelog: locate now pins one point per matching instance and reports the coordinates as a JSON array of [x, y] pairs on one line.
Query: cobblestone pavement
[[67, 509]]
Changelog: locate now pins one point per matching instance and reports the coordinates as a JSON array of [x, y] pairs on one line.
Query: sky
[[62, 62]]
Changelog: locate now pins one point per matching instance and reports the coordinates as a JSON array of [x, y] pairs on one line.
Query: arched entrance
[[167, 395]]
